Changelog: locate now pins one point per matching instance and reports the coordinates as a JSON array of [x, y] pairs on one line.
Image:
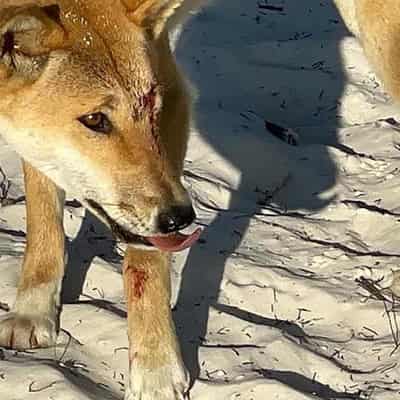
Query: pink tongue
[[176, 241]]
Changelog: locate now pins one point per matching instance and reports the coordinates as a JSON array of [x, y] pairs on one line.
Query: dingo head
[[90, 96]]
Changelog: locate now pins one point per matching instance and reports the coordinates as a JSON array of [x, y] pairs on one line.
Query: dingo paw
[[20, 332], [165, 383]]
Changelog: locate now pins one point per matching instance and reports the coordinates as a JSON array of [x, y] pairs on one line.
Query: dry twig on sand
[[389, 302]]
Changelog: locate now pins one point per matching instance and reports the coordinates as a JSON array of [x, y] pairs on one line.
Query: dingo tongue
[[175, 242]]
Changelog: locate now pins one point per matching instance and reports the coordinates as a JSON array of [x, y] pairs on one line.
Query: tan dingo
[[92, 100], [376, 24]]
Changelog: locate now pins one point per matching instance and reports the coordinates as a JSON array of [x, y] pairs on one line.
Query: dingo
[[91, 99], [376, 24]]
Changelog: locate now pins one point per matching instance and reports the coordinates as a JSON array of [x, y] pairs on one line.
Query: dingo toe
[[165, 383], [22, 332]]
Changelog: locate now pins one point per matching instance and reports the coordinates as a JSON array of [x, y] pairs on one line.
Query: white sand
[[268, 306]]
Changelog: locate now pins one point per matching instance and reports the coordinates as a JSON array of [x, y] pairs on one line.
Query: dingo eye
[[97, 122]]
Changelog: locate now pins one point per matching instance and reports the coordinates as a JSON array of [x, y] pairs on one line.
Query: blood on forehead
[[124, 59], [149, 100], [149, 108]]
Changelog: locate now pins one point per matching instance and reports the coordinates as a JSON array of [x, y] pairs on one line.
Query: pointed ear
[[27, 36], [152, 15]]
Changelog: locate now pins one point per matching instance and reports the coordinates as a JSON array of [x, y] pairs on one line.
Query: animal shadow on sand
[[250, 63]]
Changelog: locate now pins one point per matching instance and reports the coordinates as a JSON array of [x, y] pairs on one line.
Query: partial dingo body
[[92, 100], [101, 62], [377, 24]]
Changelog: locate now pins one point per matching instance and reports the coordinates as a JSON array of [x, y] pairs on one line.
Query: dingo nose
[[176, 218]]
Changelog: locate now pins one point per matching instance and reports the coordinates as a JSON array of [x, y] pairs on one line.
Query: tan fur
[[150, 326], [44, 207], [81, 57], [377, 24], [64, 59], [154, 354], [34, 321], [150, 13], [102, 70]]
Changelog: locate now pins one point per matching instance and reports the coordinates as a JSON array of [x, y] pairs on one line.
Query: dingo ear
[[27, 36], [152, 14]]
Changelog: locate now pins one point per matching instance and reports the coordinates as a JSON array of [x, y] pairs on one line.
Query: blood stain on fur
[[140, 278]]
